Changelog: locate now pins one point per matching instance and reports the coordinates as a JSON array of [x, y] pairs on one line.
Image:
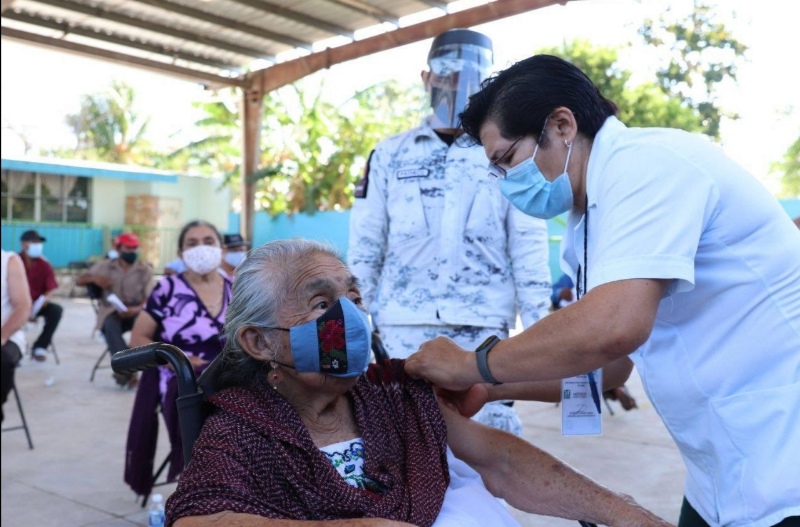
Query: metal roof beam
[[114, 38], [208, 79], [370, 10], [298, 17], [436, 3], [273, 77], [229, 23], [107, 14]]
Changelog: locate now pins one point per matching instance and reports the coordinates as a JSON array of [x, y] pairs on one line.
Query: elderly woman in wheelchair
[[304, 428]]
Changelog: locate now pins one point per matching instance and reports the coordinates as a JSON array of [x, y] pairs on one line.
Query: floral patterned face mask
[[202, 259], [338, 343]]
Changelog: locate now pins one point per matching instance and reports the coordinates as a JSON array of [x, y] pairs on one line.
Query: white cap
[[157, 498]]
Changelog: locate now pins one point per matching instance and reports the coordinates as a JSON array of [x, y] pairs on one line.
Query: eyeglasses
[[495, 170]]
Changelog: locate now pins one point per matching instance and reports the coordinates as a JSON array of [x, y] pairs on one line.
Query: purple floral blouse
[[183, 321]]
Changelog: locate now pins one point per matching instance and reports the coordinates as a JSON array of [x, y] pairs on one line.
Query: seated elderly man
[[305, 429], [126, 284]]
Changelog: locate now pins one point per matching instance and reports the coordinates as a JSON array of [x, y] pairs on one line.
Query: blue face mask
[[35, 250], [527, 189], [338, 343]]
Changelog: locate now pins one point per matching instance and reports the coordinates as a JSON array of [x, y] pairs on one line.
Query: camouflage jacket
[[433, 241]]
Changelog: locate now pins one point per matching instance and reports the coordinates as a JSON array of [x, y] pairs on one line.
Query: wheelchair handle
[[157, 354]]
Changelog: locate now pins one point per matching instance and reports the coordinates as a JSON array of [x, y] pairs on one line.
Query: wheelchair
[[192, 391]]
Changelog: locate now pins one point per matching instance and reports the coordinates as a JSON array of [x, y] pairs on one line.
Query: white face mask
[[235, 258], [35, 250], [202, 259]]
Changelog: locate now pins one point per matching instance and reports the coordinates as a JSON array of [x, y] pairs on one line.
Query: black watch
[[483, 365]]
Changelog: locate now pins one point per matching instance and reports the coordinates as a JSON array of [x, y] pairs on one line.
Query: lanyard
[[583, 270], [581, 287], [581, 290]]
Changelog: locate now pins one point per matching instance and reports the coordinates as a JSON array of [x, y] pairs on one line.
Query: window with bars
[[45, 197]]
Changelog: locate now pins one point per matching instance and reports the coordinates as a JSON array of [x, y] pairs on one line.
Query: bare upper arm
[[469, 440], [144, 330], [18, 290]]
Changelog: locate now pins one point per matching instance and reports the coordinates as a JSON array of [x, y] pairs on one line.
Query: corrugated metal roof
[[222, 38], [223, 42]]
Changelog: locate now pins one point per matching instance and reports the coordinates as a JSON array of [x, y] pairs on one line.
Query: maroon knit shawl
[[254, 455]]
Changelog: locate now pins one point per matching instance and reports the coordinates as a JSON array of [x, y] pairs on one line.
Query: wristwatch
[[483, 365]]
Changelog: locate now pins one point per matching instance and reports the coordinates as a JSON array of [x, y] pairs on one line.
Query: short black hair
[[520, 98]]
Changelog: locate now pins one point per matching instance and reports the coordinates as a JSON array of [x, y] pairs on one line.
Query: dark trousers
[[51, 313], [690, 518], [113, 328], [10, 358]]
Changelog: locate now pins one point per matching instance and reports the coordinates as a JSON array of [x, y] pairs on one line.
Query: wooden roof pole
[[290, 71], [268, 79], [252, 108]]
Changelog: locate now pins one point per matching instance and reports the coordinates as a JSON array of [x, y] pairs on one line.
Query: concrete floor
[[73, 476]]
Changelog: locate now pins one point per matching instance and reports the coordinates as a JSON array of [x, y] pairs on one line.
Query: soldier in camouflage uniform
[[437, 249]]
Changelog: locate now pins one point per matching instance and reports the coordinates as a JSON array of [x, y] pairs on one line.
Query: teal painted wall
[[333, 227], [78, 242], [65, 242]]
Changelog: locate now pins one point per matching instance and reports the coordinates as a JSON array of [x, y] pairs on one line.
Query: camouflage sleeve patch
[[361, 186]]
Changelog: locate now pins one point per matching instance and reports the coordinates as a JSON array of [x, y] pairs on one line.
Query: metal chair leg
[[52, 348], [155, 479], [97, 365], [608, 405], [24, 425]]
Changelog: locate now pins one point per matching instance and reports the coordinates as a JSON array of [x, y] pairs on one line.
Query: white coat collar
[[602, 146]]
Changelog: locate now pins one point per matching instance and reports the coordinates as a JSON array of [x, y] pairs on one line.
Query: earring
[[567, 143], [274, 375]]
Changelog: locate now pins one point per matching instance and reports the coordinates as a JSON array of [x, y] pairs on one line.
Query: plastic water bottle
[[155, 513]]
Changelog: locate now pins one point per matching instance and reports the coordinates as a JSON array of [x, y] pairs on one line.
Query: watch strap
[[482, 357]]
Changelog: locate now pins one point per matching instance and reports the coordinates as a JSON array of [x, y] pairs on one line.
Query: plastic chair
[[24, 425], [95, 293], [76, 268], [97, 365], [51, 347]]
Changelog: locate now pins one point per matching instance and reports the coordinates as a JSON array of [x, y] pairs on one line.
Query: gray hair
[[258, 290]]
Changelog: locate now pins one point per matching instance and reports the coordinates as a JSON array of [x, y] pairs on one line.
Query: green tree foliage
[[108, 128], [789, 167], [703, 54], [312, 151], [216, 151], [643, 105]]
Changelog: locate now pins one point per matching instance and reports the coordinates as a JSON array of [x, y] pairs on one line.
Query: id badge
[[580, 405]]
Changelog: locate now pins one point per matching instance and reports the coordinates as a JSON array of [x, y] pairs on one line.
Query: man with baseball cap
[[42, 284], [126, 284], [236, 249]]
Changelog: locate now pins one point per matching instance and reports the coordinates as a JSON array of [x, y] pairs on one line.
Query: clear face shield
[[456, 72]]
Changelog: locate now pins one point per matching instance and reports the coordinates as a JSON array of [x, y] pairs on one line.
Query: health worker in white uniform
[[682, 260]]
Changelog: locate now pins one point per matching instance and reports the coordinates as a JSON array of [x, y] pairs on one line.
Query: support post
[[252, 106]]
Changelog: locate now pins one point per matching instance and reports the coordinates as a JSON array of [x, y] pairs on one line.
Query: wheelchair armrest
[[157, 354]]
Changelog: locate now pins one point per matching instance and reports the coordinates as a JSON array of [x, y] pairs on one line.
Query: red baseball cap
[[128, 239]]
